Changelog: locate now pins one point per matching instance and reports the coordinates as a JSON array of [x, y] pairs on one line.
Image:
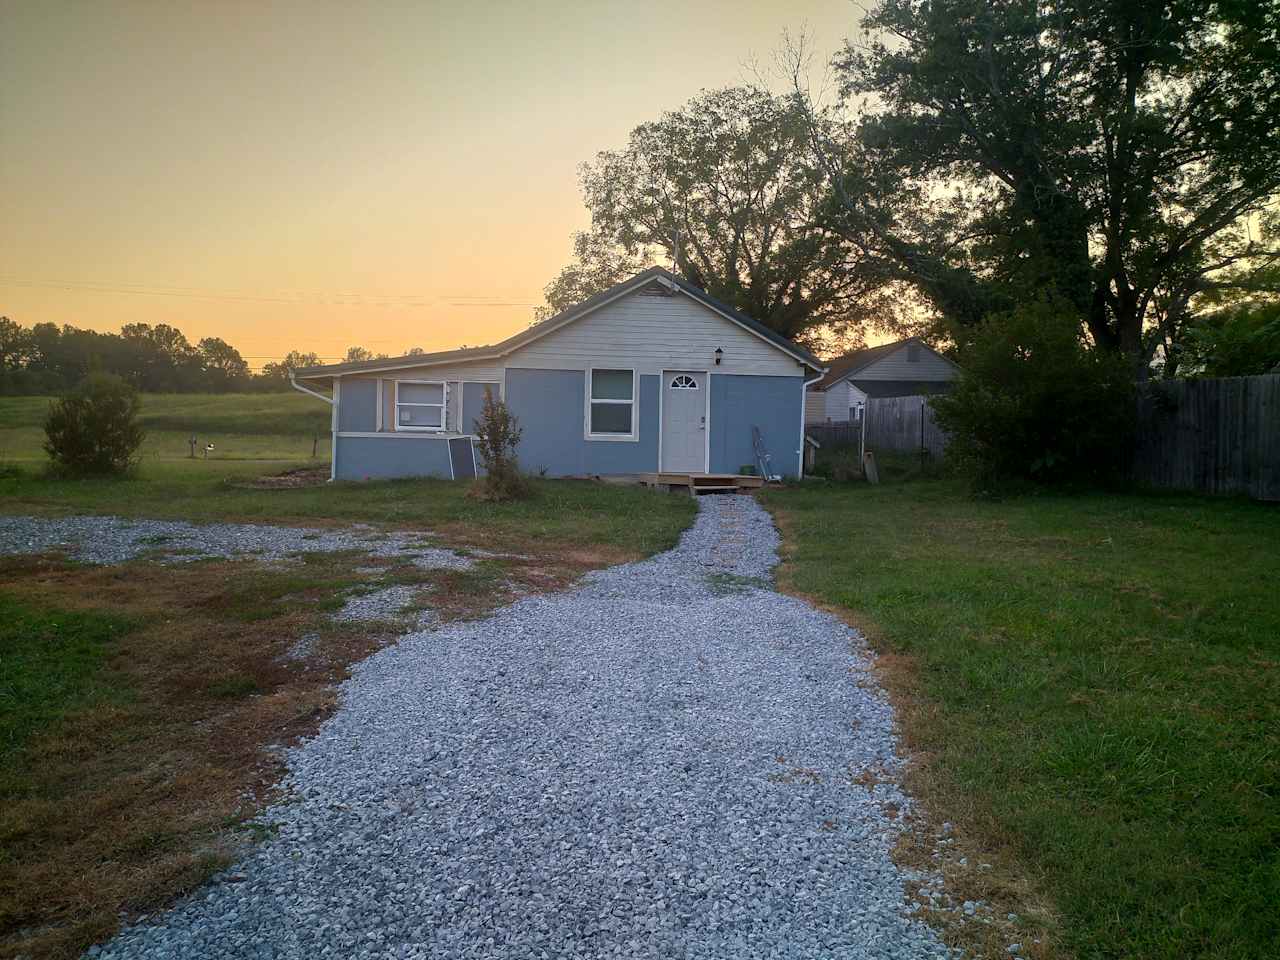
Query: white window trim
[[443, 405], [634, 435]]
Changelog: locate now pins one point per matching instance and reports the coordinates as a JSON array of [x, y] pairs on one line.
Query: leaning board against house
[[652, 375]]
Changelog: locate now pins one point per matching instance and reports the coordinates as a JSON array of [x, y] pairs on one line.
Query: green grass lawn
[[257, 434], [1096, 681], [253, 426], [615, 521], [52, 663]]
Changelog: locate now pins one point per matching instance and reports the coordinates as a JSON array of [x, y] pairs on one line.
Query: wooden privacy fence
[[1210, 436], [1214, 436], [905, 425], [847, 433], [901, 424]]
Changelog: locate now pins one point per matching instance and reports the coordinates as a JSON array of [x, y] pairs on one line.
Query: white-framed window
[[420, 404], [611, 404], [683, 381]]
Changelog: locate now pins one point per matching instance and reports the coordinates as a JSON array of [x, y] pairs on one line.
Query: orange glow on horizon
[[314, 176]]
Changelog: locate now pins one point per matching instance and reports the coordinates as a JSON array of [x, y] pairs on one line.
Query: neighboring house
[[650, 375], [907, 368]]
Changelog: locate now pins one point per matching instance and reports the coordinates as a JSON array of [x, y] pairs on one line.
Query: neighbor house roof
[[844, 367], [564, 318]]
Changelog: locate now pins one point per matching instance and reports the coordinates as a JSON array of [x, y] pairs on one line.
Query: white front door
[[684, 422]]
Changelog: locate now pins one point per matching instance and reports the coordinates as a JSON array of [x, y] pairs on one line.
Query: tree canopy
[[1114, 153], [727, 191], [47, 358]]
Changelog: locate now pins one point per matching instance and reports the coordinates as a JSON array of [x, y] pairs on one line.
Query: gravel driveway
[[655, 764], [115, 540]]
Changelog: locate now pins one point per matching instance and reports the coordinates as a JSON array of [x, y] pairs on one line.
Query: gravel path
[[655, 764], [115, 540]]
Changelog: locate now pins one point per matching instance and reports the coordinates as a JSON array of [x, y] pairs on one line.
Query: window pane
[[421, 393], [611, 385], [420, 416], [611, 417]]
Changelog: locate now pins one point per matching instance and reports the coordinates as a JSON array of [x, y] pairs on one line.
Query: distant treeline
[[48, 359]]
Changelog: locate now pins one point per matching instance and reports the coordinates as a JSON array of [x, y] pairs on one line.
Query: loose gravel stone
[[644, 766], [386, 604], [115, 540]]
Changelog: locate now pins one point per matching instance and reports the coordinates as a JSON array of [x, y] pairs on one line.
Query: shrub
[[1035, 404], [498, 433], [1242, 340], [94, 428]]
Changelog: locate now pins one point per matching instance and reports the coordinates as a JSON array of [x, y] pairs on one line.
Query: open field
[[241, 426], [1093, 685]]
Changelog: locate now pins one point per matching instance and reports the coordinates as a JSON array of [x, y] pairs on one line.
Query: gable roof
[[564, 318], [844, 367]]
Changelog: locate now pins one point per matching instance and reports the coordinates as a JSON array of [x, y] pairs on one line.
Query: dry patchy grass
[[142, 789], [131, 798]]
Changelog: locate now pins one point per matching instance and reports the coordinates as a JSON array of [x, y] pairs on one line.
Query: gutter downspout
[[333, 419], [804, 395], [297, 386]]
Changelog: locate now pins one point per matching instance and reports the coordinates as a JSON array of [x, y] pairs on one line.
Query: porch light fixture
[[719, 356]]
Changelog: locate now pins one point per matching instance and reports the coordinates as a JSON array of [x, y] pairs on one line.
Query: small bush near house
[[1036, 405], [497, 434], [94, 428]]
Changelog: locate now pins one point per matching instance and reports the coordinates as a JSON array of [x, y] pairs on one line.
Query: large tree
[[224, 368], [725, 189], [276, 373], [1113, 153]]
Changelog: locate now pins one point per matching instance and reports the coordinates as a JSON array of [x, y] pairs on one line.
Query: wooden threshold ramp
[[696, 483]]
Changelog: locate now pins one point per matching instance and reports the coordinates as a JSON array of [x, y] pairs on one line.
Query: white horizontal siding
[[837, 401], [896, 366], [815, 410], [651, 334]]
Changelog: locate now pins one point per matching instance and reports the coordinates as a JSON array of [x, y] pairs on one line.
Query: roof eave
[[564, 318]]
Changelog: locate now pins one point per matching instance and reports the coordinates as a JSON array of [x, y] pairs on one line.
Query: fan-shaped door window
[[684, 382]]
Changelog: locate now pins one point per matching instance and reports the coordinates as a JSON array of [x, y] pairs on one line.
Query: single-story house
[[651, 375], [908, 368]]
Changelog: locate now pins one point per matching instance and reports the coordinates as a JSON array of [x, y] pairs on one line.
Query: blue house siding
[[391, 455], [739, 403], [550, 405], [358, 406], [473, 404]]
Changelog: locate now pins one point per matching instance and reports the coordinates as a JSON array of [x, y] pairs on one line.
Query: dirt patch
[[288, 480]]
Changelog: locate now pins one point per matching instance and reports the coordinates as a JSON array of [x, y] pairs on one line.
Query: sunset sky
[[321, 174]]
